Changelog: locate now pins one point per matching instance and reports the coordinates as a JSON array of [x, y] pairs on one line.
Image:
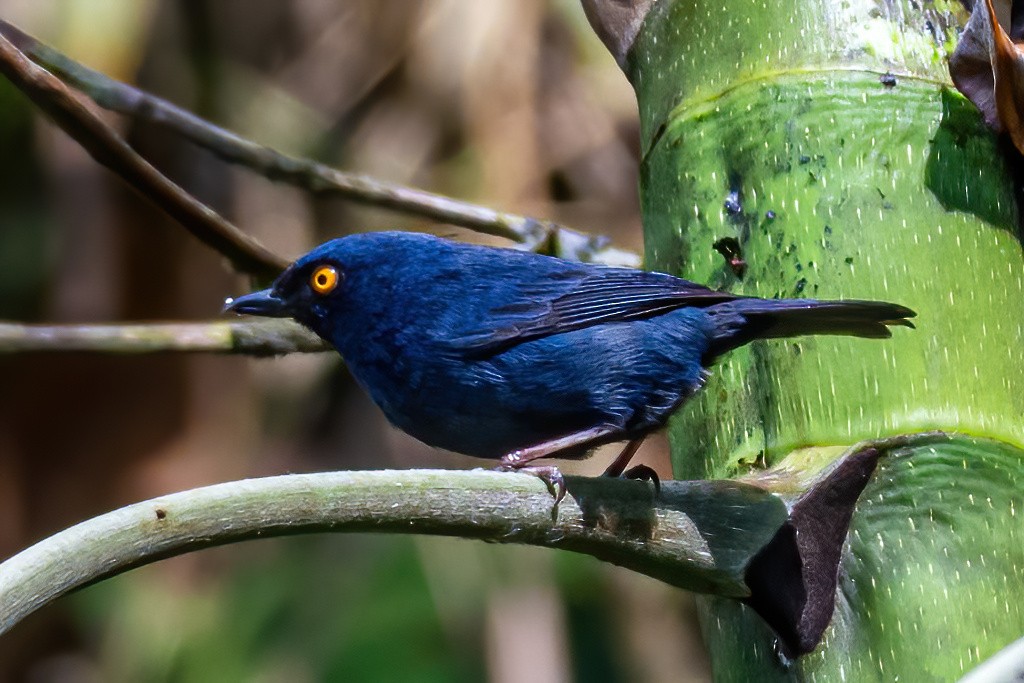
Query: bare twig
[[263, 338], [110, 150], [312, 176], [696, 535]]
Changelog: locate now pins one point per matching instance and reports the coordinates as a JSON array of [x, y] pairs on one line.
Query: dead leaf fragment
[[988, 66], [617, 23]]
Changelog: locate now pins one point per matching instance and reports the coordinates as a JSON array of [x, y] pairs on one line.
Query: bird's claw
[[644, 473], [550, 475]]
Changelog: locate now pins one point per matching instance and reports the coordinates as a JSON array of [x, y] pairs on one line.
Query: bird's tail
[[743, 320]]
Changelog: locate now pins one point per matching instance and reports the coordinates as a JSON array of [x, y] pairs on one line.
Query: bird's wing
[[571, 300]]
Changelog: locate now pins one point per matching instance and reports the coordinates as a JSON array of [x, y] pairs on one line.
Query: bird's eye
[[324, 279]]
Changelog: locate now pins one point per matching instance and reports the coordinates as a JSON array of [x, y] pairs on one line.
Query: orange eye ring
[[323, 280]]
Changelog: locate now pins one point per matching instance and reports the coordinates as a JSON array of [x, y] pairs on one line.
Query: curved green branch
[[696, 535]]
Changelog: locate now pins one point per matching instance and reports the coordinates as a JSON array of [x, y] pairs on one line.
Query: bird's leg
[[523, 456], [619, 464], [641, 472], [519, 460]]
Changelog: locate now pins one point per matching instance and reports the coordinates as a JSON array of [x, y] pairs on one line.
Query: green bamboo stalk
[[825, 139]]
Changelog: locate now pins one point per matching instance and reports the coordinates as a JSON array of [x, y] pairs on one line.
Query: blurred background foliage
[[509, 103]]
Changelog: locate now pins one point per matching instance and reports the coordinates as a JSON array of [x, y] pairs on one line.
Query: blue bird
[[505, 354]]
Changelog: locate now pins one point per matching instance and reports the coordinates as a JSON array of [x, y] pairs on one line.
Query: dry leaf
[[617, 23], [988, 65]]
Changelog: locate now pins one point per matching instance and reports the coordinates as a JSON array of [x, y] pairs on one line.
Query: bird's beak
[[263, 302]]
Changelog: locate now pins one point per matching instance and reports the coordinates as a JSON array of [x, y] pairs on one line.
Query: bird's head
[[346, 277], [309, 290]]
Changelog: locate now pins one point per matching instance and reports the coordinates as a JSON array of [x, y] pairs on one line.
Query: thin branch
[[110, 150], [1005, 665], [312, 176], [263, 338], [696, 535]]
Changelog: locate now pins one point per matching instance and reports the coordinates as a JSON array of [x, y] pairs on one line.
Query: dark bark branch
[[262, 338], [696, 535], [110, 150], [312, 176]]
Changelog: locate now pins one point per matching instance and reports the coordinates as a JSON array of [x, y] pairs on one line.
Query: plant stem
[[110, 150], [263, 338], [695, 535], [312, 176]]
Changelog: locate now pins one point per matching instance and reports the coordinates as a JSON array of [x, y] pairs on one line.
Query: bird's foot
[[644, 473], [549, 474]]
